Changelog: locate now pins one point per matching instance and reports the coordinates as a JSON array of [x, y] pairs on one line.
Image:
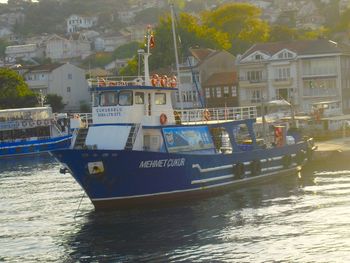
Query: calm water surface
[[295, 219]]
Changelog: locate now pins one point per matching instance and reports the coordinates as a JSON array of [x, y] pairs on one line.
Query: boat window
[[125, 98], [109, 99], [97, 98], [139, 98], [160, 98]]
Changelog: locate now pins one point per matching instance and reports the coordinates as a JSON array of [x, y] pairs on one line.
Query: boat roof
[[130, 87], [326, 102], [337, 118], [25, 109]]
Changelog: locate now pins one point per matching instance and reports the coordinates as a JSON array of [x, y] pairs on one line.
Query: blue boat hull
[[34, 147], [136, 178]]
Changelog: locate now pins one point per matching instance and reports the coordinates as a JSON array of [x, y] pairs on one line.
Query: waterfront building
[[197, 77], [301, 72], [63, 79]]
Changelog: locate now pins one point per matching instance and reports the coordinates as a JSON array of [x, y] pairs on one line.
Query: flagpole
[[176, 55]]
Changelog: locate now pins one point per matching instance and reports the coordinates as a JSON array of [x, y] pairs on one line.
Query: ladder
[[80, 139], [132, 137]]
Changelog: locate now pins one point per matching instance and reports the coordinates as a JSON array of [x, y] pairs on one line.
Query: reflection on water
[[290, 220]]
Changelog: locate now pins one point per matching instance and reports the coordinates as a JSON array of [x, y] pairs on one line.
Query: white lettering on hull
[[162, 163]]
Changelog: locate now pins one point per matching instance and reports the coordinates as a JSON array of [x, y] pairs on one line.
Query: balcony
[[244, 83], [281, 82]]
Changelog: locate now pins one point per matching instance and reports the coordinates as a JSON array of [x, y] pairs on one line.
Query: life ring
[[38, 122], [173, 82], [164, 81], [238, 170], [255, 167], [206, 115], [163, 119], [155, 80], [286, 161], [101, 83], [46, 122], [24, 124]]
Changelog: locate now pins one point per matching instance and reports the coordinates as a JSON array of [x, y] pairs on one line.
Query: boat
[[32, 131], [138, 150]]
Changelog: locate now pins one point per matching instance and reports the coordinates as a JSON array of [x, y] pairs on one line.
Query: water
[[295, 219]]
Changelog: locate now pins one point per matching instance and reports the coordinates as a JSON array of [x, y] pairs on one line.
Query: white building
[[25, 52], [109, 43], [65, 80], [302, 72], [77, 22], [59, 48]]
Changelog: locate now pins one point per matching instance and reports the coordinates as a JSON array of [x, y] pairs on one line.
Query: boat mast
[[176, 55], [146, 55]]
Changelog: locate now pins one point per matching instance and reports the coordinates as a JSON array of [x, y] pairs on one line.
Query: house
[[24, 52], [109, 43], [63, 79], [77, 22], [301, 72], [199, 86], [59, 48], [221, 90]]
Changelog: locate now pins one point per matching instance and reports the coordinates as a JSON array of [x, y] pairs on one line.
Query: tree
[[55, 101], [14, 92], [131, 69], [241, 22], [191, 33], [126, 51]]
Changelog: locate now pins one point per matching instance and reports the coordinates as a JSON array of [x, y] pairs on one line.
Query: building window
[[69, 76], [218, 92], [282, 73], [234, 91], [258, 57], [68, 89], [226, 91], [207, 92], [255, 96], [254, 76]]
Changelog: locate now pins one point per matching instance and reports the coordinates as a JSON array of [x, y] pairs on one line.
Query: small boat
[[138, 150], [28, 131]]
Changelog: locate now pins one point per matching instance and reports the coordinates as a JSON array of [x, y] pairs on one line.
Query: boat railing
[[209, 115], [85, 118], [215, 114], [111, 81]]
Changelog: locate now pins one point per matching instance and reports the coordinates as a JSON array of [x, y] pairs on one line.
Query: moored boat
[[138, 150], [28, 131]]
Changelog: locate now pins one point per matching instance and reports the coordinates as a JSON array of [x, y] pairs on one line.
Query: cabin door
[[149, 107]]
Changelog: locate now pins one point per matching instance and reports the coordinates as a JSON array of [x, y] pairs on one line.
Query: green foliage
[[283, 33], [99, 59], [191, 33], [14, 92], [55, 101], [149, 15], [84, 107], [241, 22], [3, 45], [126, 51], [343, 23], [131, 69]]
